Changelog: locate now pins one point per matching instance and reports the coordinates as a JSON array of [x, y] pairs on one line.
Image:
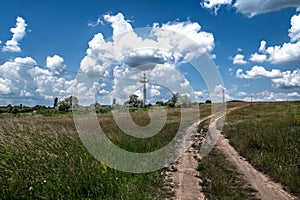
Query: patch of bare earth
[[182, 180]]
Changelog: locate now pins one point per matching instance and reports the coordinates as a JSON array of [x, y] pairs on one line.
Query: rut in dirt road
[[182, 178]]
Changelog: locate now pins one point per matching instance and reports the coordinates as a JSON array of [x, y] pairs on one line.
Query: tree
[[172, 102], [208, 101], [134, 102], [68, 104], [55, 103]]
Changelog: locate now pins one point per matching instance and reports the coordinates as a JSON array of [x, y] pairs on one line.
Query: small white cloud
[[239, 50], [19, 32], [294, 31], [96, 23], [215, 4], [262, 47], [239, 60], [260, 58], [258, 72]]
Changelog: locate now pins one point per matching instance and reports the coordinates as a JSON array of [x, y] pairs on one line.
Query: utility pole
[[144, 81], [223, 95], [251, 98]]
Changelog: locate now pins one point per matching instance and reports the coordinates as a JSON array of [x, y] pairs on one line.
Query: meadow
[[268, 136], [42, 157]]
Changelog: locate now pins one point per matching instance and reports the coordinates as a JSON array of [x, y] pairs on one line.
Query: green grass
[[42, 157], [220, 179], [268, 135]]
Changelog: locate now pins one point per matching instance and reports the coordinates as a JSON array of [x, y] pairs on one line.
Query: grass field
[[268, 135], [42, 157]]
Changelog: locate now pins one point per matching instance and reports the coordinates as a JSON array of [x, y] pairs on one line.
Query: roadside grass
[[268, 136], [220, 179], [42, 157]]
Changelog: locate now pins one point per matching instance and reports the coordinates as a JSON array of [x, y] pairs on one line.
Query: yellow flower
[[103, 167]]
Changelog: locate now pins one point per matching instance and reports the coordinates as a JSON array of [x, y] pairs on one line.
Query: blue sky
[[255, 44]]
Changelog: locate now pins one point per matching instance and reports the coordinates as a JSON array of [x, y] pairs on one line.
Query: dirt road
[[182, 177], [266, 188]]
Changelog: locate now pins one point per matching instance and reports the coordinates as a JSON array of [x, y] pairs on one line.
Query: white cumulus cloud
[[258, 72], [19, 32], [260, 58], [289, 79], [294, 31], [239, 59], [56, 64], [119, 24], [283, 80]]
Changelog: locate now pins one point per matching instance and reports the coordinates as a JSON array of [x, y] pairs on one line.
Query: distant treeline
[[71, 103]]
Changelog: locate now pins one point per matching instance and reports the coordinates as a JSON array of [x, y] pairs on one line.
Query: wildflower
[[30, 188], [103, 167]]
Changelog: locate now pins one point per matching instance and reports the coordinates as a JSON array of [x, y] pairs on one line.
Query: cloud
[[122, 60], [239, 60], [119, 24], [260, 58], [19, 32], [289, 79], [288, 52], [293, 94], [5, 85], [22, 79], [217, 94], [258, 72], [215, 4], [285, 53], [56, 64], [283, 80], [294, 31], [251, 8], [96, 23], [262, 47], [119, 63], [191, 30]]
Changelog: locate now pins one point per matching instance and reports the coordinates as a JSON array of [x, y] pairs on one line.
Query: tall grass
[[268, 135], [42, 157], [220, 179]]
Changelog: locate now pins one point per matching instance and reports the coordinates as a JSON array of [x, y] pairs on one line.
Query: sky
[[95, 49]]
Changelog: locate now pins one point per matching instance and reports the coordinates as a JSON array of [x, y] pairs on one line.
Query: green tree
[[68, 104], [134, 103], [55, 103]]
